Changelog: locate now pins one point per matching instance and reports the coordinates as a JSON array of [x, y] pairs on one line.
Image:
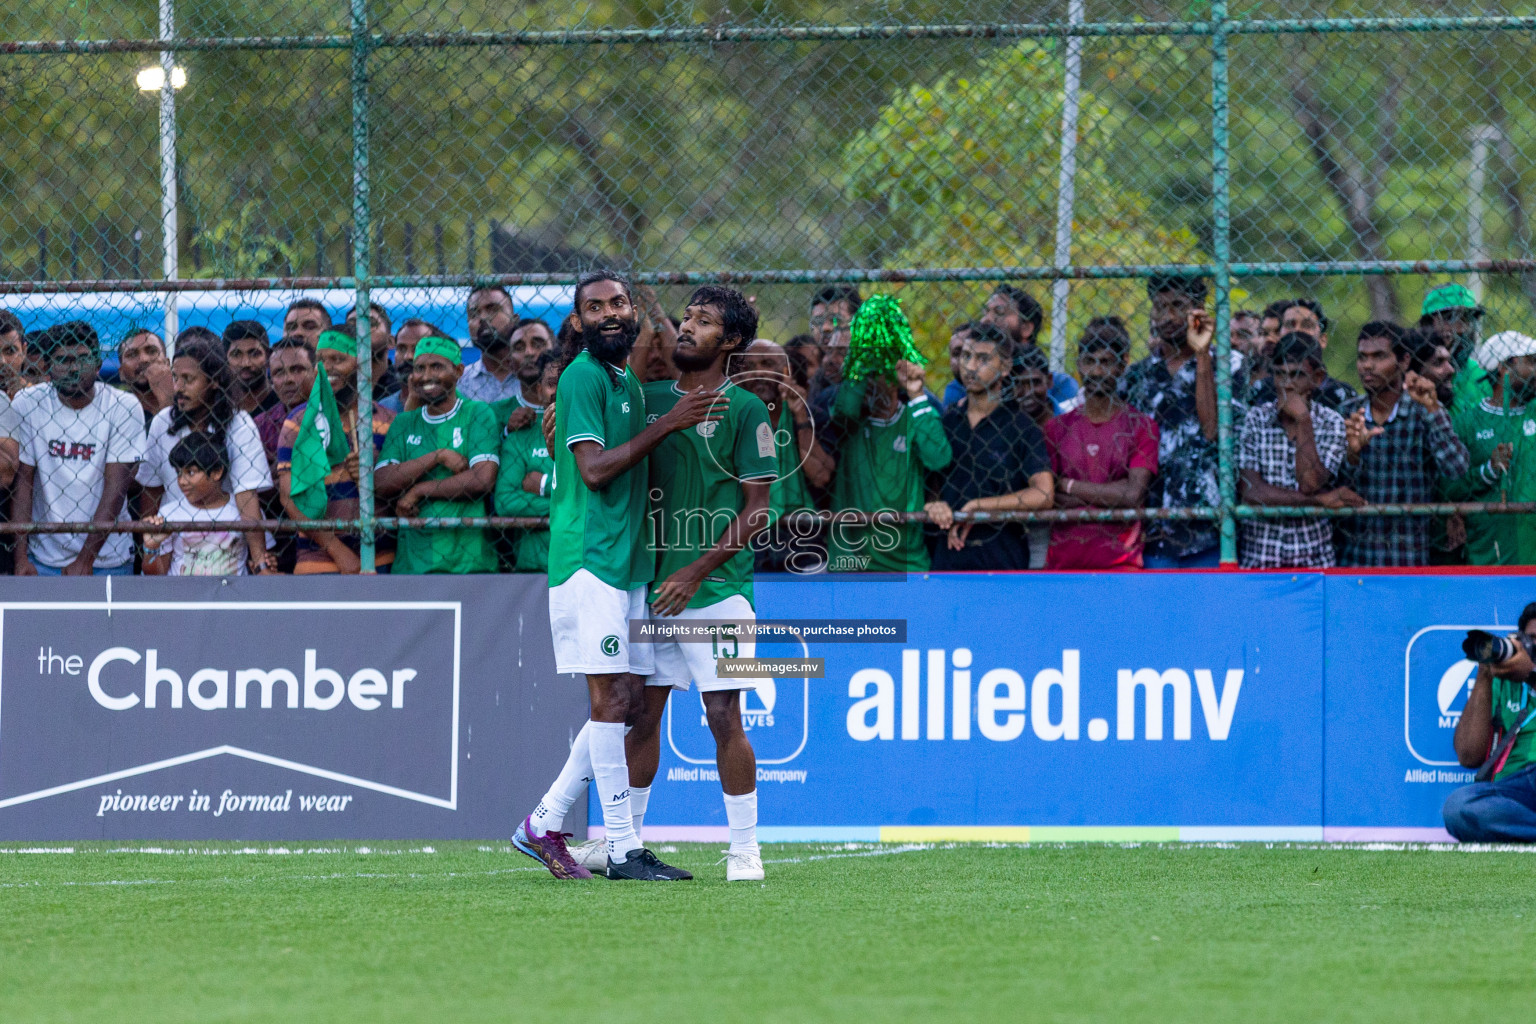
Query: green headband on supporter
[[435, 346], [336, 341]]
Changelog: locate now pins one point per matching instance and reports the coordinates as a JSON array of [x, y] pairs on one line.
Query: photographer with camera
[[1496, 735]]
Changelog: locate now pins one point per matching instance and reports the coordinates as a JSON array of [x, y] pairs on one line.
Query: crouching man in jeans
[[1502, 810]]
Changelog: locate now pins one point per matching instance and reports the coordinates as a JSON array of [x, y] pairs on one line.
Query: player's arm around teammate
[[599, 571], [726, 473]]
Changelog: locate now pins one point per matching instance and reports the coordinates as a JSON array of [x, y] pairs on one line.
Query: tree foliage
[[962, 172]]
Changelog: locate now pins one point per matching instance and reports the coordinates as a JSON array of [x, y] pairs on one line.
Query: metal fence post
[[362, 235], [170, 265], [1066, 185], [1221, 193]]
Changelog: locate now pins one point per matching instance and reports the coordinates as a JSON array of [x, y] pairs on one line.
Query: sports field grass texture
[[476, 932]]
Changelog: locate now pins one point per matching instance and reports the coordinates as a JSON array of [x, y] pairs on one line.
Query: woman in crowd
[[202, 386]]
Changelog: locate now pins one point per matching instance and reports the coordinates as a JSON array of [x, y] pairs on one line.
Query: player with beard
[[599, 569], [710, 493]]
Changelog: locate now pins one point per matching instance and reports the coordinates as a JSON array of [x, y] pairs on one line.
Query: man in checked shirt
[[1399, 442], [1290, 454]]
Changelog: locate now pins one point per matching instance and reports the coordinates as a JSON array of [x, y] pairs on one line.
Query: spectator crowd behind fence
[[1205, 214], [881, 475]]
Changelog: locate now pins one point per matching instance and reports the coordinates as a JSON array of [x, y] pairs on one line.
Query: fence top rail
[[848, 517], [717, 34], [798, 276]]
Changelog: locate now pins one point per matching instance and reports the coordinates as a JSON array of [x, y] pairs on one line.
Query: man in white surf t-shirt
[[80, 443]]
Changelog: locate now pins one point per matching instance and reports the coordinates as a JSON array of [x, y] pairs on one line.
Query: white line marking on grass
[[244, 851], [843, 850], [879, 852], [347, 875], [41, 849]]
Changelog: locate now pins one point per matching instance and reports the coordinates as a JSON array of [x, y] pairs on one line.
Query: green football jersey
[[522, 452], [469, 428], [882, 465], [600, 531], [696, 477], [1496, 539], [1469, 386]]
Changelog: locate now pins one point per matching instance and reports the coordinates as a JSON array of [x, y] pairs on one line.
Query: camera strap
[[1500, 753]]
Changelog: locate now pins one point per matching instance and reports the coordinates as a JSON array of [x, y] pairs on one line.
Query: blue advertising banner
[[1396, 682], [1184, 704], [1031, 706]]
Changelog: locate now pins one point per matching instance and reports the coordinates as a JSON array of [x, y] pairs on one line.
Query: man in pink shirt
[[1104, 455]]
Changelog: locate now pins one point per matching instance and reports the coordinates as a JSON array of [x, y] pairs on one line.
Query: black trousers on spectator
[[1004, 551]]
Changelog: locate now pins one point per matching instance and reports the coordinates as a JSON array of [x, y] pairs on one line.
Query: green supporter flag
[[321, 445]]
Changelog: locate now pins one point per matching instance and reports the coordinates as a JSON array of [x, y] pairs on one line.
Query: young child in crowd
[[201, 464]]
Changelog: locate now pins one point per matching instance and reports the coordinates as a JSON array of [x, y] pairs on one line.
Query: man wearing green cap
[[441, 459], [1451, 314]]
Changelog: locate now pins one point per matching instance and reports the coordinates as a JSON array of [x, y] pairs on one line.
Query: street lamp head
[[152, 79]]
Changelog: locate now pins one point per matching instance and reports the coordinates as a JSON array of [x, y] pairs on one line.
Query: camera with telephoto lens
[[1487, 649]]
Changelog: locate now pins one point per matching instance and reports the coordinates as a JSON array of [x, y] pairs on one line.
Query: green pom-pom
[[880, 337]]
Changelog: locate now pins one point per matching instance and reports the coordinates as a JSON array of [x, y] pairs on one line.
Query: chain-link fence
[[179, 175]]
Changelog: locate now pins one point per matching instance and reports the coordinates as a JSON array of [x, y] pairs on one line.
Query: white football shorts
[[590, 623], [680, 665]]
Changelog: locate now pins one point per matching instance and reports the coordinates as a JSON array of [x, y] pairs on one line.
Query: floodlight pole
[[168, 219], [1066, 185]]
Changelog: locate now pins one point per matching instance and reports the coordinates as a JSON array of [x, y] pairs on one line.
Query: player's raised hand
[[692, 409], [675, 592]]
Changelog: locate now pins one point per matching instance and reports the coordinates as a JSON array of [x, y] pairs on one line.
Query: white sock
[[741, 815], [639, 797], [612, 776], [572, 781]]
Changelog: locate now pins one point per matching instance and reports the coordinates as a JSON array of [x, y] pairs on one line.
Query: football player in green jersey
[[441, 459], [709, 496], [599, 569]]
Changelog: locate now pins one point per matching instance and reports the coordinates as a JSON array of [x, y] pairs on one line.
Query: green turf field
[[467, 932]]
